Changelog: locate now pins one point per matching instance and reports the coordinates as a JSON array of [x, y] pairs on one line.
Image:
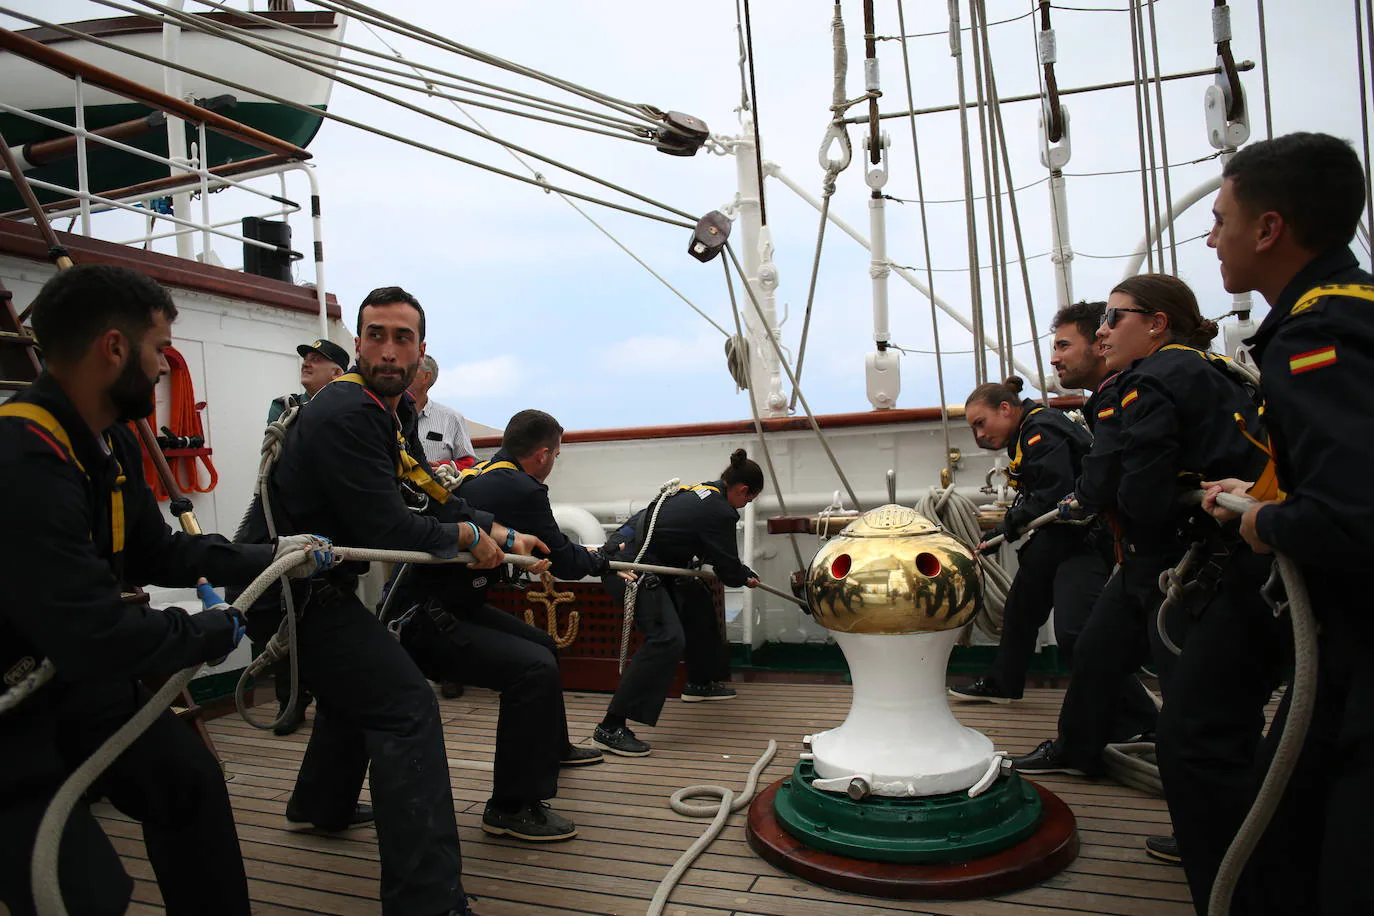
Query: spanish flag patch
[[1130, 397], [1312, 359], [1106, 412], [1033, 439]]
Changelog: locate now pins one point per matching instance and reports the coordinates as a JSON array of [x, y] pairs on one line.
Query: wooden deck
[[628, 835]]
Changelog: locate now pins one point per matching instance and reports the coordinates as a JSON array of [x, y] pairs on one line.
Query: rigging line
[[391, 23], [511, 95], [982, 14], [754, 112], [1150, 128], [743, 59], [1114, 257], [988, 138], [905, 36], [1163, 138], [925, 235], [417, 109], [959, 200], [1140, 140], [980, 371], [1064, 268], [1264, 73], [1364, 106], [782, 361], [926, 268], [1172, 165], [754, 411], [1019, 343], [332, 116]]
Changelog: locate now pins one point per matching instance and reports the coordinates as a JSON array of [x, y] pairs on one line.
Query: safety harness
[[1014, 468], [408, 469]]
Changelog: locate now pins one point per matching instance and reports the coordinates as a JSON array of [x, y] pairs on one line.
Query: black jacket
[[1178, 412], [519, 501], [1100, 474], [63, 578], [695, 523], [1046, 455], [338, 477], [1317, 369]]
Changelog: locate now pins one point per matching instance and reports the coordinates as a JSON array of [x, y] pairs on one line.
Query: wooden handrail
[[70, 66]]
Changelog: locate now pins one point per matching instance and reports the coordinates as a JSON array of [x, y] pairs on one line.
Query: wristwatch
[[510, 539]]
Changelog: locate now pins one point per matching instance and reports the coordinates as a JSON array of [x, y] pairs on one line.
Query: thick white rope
[[726, 804], [632, 587]]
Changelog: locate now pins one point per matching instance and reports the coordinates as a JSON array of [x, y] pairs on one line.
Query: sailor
[[321, 363], [1285, 216], [454, 634], [78, 525], [443, 431], [1185, 418], [345, 471], [696, 522], [1057, 566]]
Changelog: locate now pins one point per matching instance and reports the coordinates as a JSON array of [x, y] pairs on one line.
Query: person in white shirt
[[443, 431]]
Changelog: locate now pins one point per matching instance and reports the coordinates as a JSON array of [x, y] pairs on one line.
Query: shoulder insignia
[[1033, 439], [1317, 295], [1312, 359], [1106, 412], [1129, 398]]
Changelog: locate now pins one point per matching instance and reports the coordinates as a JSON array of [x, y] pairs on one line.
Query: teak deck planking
[[628, 836]]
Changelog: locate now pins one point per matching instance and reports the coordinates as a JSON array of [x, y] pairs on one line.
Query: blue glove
[[319, 549], [1069, 511], [212, 600]]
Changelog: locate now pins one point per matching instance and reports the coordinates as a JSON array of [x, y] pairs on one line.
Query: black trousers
[[486, 647], [1057, 571], [168, 781], [707, 653], [374, 706], [1104, 701], [1213, 718], [644, 685]]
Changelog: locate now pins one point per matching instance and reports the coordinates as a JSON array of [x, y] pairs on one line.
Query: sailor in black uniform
[[1285, 217], [694, 523], [1057, 566], [453, 634], [343, 470], [79, 525]]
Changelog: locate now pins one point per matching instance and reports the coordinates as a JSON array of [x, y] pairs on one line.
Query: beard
[[133, 393], [388, 380]]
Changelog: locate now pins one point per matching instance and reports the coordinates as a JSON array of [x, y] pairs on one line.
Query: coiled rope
[[632, 587], [959, 516]]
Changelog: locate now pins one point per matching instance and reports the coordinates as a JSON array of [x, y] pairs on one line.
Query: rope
[[1364, 109], [726, 804], [991, 186], [1140, 137], [551, 599], [980, 368], [184, 420], [754, 112], [632, 588], [1264, 73], [1163, 136], [958, 515]]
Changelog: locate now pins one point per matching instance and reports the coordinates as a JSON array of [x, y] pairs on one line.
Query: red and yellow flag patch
[[1312, 359], [1129, 398], [1033, 439], [1106, 412]]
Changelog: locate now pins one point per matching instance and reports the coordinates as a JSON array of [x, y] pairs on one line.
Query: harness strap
[[477, 470], [1015, 466], [407, 468]]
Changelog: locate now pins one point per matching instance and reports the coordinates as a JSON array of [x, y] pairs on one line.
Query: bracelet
[[510, 538], [476, 534]]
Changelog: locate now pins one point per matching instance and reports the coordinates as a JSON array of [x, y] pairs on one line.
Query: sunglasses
[[1114, 315]]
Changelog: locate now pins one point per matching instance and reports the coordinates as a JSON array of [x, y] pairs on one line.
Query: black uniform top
[[339, 476], [62, 577], [1101, 467], [1178, 427], [518, 501], [1317, 371], [1046, 454], [694, 523]]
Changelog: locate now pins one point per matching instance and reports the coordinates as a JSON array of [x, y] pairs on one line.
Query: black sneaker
[[534, 822], [696, 693], [1163, 848], [297, 820], [622, 741], [1045, 759], [450, 690], [983, 690], [580, 757]]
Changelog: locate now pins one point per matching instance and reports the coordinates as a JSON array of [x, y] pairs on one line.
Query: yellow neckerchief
[[407, 468], [1014, 467], [482, 467], [38, 415]]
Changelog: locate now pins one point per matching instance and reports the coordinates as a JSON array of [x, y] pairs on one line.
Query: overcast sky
[[531, 306]]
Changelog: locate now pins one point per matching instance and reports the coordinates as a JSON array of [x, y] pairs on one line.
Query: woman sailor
[[674, 612]]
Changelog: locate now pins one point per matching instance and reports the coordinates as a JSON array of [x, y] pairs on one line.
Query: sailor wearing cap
[[321, 363]]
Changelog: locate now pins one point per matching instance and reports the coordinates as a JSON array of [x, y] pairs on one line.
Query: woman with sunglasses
[[1181, 412]]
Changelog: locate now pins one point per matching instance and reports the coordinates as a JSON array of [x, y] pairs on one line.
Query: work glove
[[1070, 511], [985, 548], [319, 550], [213, 601]]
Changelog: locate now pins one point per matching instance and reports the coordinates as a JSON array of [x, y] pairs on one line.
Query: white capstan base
[[900, 737]]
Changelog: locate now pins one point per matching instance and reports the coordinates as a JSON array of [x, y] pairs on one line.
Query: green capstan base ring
[[933, 829]]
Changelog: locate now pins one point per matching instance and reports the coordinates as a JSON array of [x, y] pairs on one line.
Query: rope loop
[[835, 133]]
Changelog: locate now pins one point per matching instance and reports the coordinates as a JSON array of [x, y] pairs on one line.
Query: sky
[[529, 305]]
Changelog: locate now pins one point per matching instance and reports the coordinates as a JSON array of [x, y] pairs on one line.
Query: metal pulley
[[681, 134], [709, 236]]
